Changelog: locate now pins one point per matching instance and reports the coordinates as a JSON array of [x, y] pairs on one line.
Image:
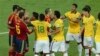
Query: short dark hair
[[99, 15], [87, 8], [74, 4], [21, 14], [42, 17], [15, 7], [47, 10], [36, 15], [57, 13]]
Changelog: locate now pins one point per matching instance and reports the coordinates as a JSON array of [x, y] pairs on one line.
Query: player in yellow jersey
[[73, 28], [42, 41], [88, 24], [58, 42], [34, 19], [97, 36]]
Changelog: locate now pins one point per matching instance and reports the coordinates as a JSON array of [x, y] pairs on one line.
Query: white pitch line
[[3, 33]]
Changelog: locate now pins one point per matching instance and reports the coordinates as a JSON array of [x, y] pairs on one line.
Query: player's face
[[85, 13], [73, 8], [27, 20]]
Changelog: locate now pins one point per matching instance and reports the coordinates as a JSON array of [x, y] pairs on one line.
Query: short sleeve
[[32, 22], [66, 14], [48, 24]]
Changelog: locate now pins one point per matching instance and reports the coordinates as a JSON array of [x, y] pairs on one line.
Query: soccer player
[[97, 36], [42, 40], [58, 42], [35, 16], [48, 18], [74, 28], [34, 19], [12, 34], [21, 31], [88, 22]]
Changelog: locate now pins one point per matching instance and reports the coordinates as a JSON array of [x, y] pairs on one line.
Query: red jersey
[[11, 23], [47, 18], [21, 30]]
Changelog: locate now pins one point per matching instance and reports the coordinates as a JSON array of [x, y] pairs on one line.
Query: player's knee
[[67, 41], [36, 53], [79, 43]]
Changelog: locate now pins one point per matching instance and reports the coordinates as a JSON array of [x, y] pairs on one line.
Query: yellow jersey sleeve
[[48, 24]]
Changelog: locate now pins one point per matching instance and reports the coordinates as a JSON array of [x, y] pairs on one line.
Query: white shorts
[[42, 46], [98, 47], [88, 41], [58, 46], [71, 37]]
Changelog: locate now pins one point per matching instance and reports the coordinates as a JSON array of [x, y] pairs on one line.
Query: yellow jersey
[[97, 35], [89, 26], [60, 35], [73, 26], [41, 29]]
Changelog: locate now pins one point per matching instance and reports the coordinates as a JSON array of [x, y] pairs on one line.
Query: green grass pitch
[[39, 6]]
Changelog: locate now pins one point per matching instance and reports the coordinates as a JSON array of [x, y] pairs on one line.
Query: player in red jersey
[[22, 31], [12, 35], [48, 18]]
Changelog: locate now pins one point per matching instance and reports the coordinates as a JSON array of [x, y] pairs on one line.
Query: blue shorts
[[21, 45], [12, 40]]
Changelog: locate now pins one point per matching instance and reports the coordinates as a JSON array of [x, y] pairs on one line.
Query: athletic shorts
[[21, 45], [12, 40], [42, 46], [88, 41], [58, 46], [71, 37]]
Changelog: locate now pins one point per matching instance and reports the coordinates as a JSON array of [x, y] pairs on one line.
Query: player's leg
[[69, 37], [26, 46], [12, 45], [63, 48], [38, 47], [46, 49], [54, 48], [20, 47], [79, 43], [88, 44], [97, 48], [85, 46]]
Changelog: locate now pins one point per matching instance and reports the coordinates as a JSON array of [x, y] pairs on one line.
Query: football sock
[[47, 54], [65, 54], [12, 53], [36, 55], [53, 54], [93, 50], [86, 52]]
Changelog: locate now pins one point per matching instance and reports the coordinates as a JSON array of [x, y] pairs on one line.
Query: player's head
[[42, 17], [15, 7], [74, 7], [99, 16], [57, 14], [21, 15], [26, 20], [35, 15], [22, 9], [48, 11], [86, 10]]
